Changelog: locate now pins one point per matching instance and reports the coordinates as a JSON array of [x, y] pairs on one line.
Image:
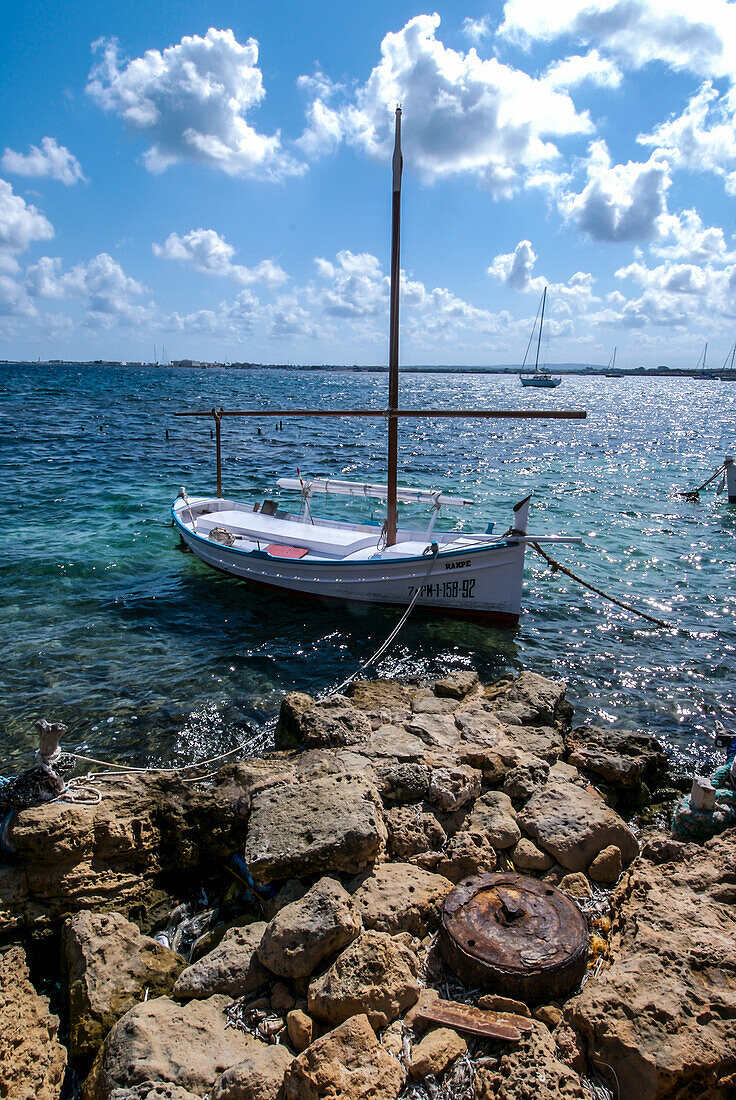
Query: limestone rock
[[436, 1053], [233, 968], [436, 730], [530, 1070], [452, 788], [258, 1076], [399, 897], [545, 742], [495, 817], [334, 721], [427, 701], [299, 1027], [32, 1060], [333, 823], [395, 743], [574, 826], [456, 685], [576, 885], [379, 697], [160, 1041], [523, 780], [527, 857], [663, 1015], [412, 830], [399, 781], [607, 865], [153, 1091], [289, 733], [375, 975], [310, 930], [347, 1064], [109, 966], [619, 757], [467, 854], [495, 1003], [532, 699]]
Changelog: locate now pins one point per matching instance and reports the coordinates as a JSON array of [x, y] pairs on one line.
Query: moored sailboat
[[540, 378], [294, 551]]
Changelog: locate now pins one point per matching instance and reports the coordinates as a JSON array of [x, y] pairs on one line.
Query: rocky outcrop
[[663, 1014], [160, 1041], [494, 817], [32, 1060], [302, 935], [413, 830], [530, 1070], [574, 825], [333, 824], [109, 967], [398, 897], [349, 1063], [375, 975], [232, 968], [436, 1053], [333, 722], [621, 758]]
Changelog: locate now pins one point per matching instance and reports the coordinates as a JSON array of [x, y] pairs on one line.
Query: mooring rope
[[76, 788], [692, 494], [559, 567]]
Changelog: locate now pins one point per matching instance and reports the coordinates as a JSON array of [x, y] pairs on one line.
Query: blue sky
[[215, 179]]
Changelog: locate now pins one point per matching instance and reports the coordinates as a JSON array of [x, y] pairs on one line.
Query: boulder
[[153, 1091], [399, 781], [109, 965], [395, 743], [523, 780], [32, 1060], [619, 757], [302, 935], [576, 885], [452, 788], [527, 857], [531, 699], [544, 742], [438, 731], [412, 830], [467, 854], [399, 897], [333, 823], [663, 1014], [426, 701], [160, 1041], [530, 1070], [375, 975], [347, 1064], [386, 700], [456, 685], [436, 1053], [574, 825], [607, 865], [333, 722], [495, 817], [232, 969], [289, 732], [258, 1076], [299, 1028]]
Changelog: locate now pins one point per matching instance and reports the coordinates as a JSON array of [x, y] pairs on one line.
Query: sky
[[213, 181]]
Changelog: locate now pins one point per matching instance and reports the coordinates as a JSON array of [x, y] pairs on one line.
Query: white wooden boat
[[291, 550], [540, 378]]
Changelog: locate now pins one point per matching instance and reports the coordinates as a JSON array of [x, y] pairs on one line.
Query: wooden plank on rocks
[[476, 1021]]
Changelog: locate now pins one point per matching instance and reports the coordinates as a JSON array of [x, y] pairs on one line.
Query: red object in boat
[[276, 550]]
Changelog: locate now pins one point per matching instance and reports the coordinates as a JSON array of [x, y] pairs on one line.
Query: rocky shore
[[272, 932]]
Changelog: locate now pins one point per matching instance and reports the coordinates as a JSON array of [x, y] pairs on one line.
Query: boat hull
[[541, 383], [480, 583]]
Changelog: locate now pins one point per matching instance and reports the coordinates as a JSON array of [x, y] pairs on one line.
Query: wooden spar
[[218, 422], [539, 338], [393, 356], [470, 414]]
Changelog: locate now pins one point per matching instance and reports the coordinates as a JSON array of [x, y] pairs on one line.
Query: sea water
[[150, 657]]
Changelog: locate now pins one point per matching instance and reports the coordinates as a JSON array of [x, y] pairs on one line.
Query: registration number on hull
[[446, 590]]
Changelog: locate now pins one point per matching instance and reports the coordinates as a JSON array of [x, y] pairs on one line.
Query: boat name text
[[456, 564]]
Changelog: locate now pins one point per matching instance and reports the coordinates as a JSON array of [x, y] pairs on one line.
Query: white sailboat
[[294, 551], [541, 378]]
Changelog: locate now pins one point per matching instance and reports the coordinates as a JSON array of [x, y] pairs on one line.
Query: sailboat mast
[[393, 357], [539, 338]]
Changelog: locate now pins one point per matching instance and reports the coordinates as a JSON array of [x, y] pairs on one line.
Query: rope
[[81, 784], [692, 494], [558, 567]]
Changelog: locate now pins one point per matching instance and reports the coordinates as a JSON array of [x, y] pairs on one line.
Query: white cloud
[[52, 160], [230, 319], [477, 29], [621, 202], [190, 101], [691, 242], [105, 290], [206, 251], [578, 69], [699, 37], [514, 269], [359, 288], [703, 137], [468, 115], [14, 301], [20, 225]]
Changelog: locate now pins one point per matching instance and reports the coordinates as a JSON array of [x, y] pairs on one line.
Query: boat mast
[[539, 338], [393, 355]]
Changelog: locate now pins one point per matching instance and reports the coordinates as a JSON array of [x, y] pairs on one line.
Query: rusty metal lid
[[513, 925]]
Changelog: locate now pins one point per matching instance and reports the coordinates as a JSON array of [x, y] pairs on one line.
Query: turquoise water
[[149, 656]]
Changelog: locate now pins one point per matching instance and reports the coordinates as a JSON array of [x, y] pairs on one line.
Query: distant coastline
[[584, 369]]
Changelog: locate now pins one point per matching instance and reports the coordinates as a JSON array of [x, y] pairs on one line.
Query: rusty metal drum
[[514, 935]]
